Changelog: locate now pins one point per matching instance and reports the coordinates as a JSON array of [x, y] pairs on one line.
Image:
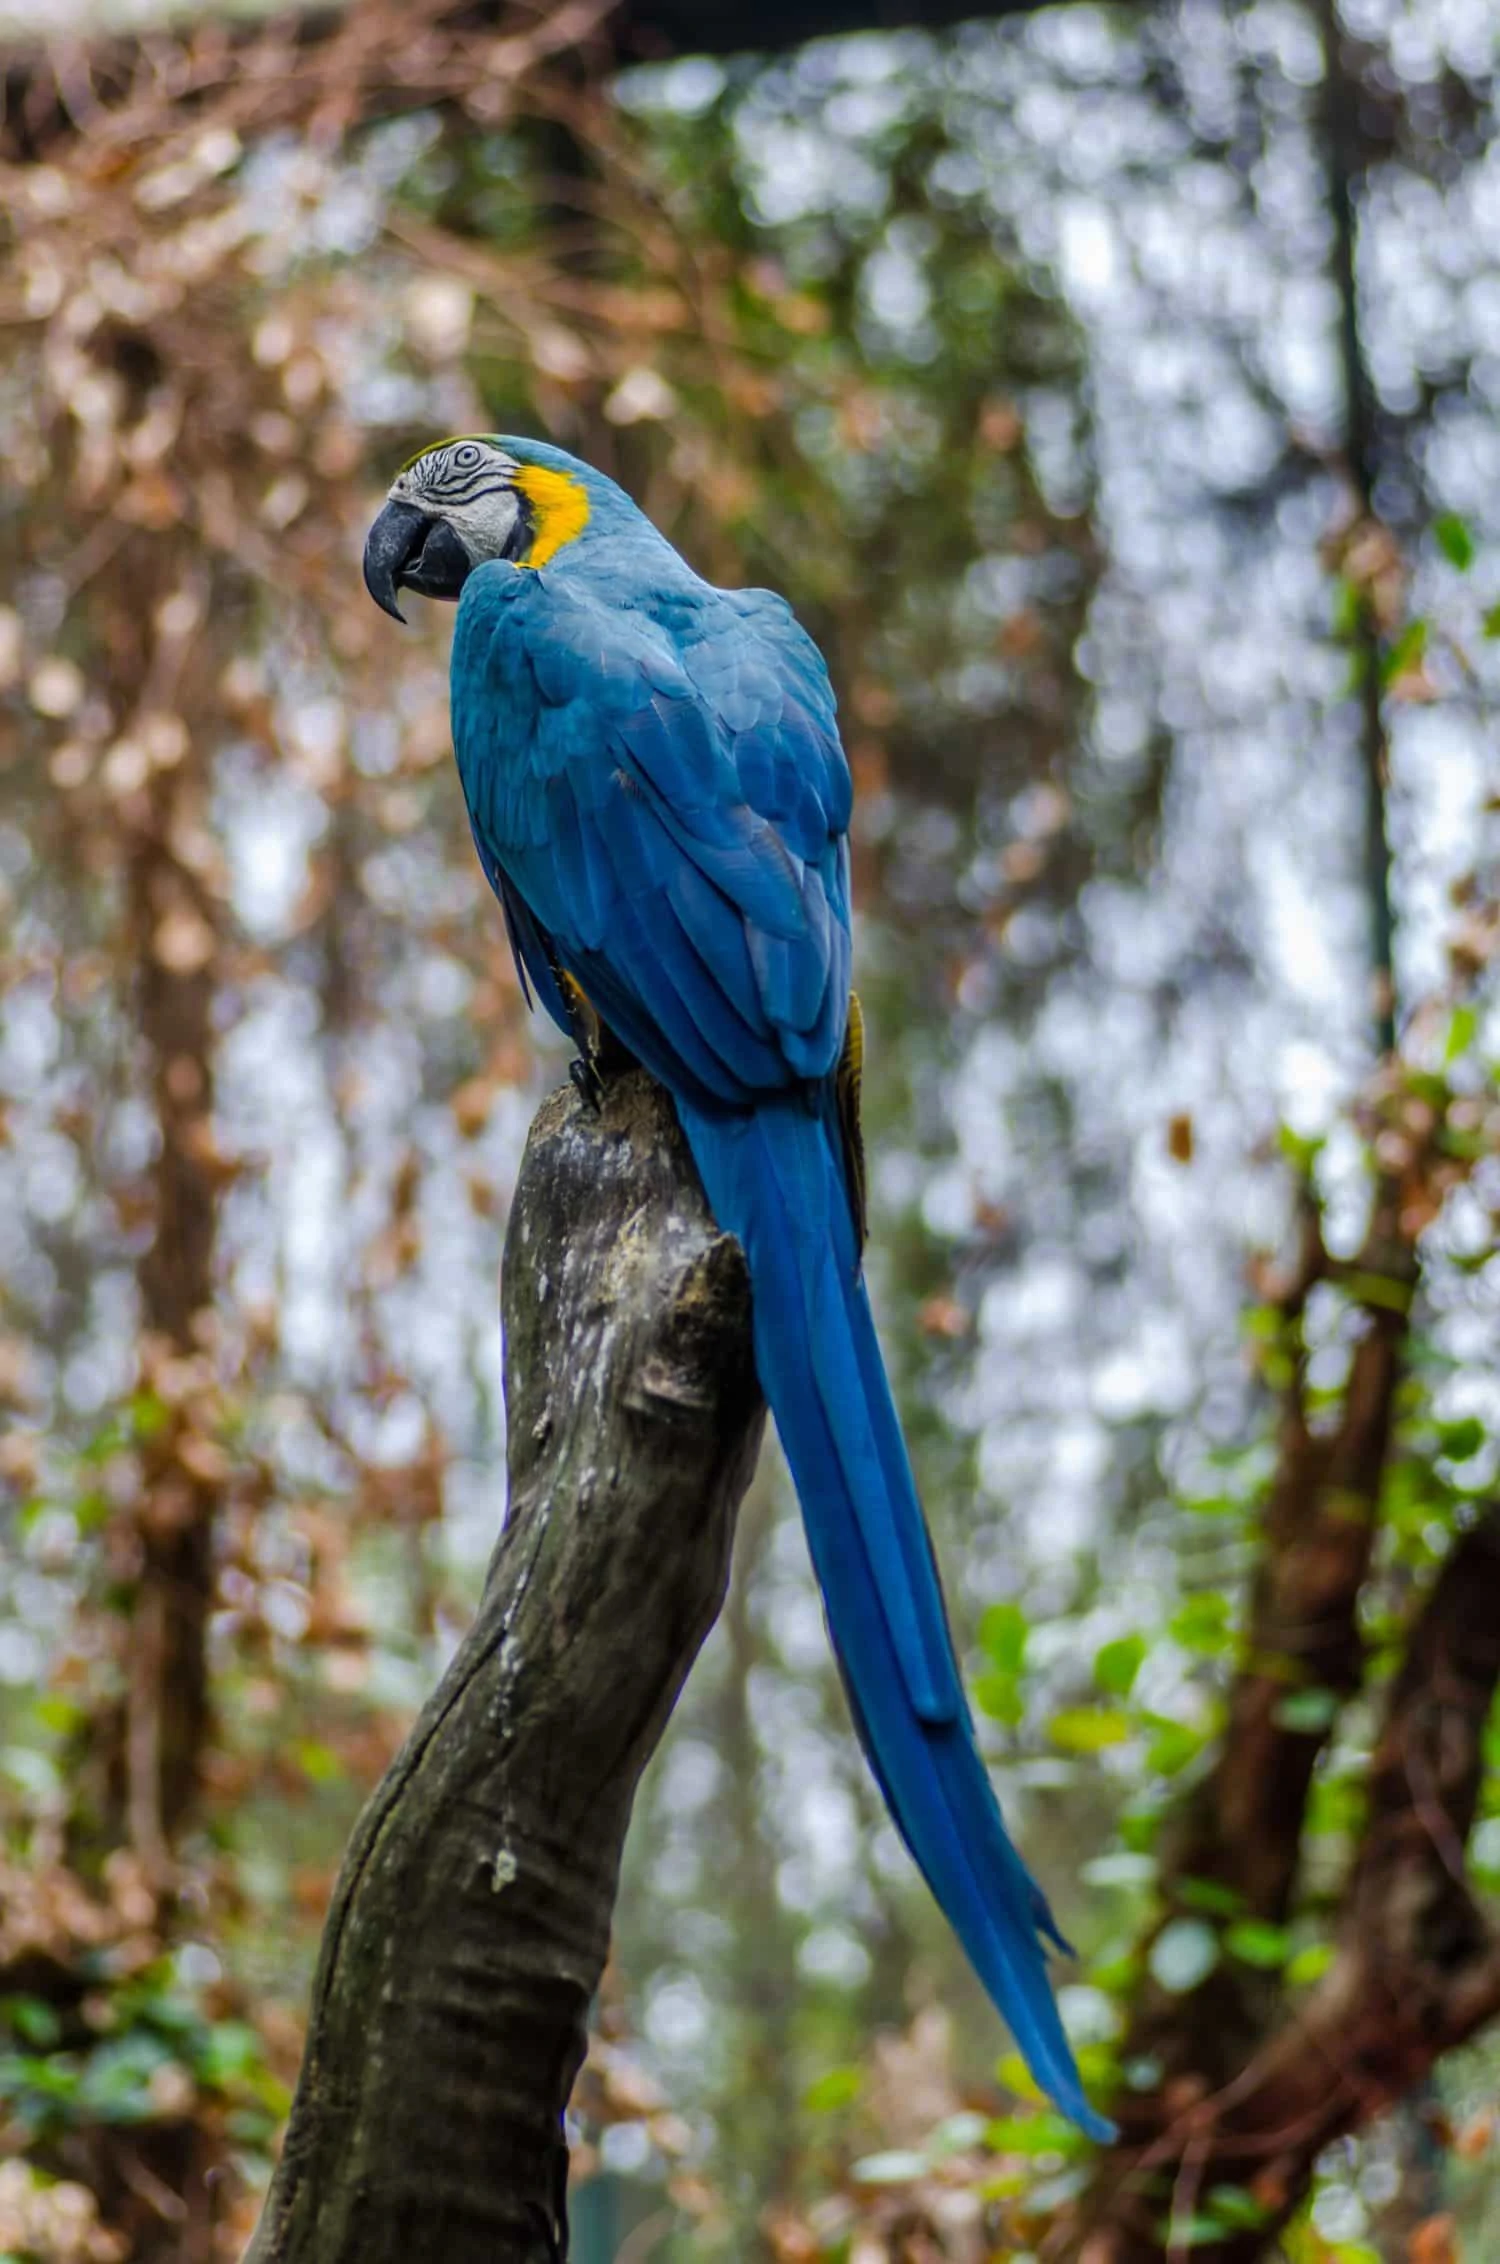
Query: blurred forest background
[[1116, 394]]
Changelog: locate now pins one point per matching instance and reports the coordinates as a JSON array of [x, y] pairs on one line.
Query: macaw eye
[[466, 457]]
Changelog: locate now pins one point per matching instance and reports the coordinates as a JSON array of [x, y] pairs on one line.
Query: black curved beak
[[407, 549]]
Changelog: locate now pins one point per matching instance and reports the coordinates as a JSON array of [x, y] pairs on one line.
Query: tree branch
[[345, 65], [470, 1923], [1344, 145], [1241, 1827], [1415, 1971], [720, 27]]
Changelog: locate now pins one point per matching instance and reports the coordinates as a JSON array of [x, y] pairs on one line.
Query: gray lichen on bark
[[471, 1919]]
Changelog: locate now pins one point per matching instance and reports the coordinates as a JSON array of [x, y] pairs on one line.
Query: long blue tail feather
[[774, 1179]]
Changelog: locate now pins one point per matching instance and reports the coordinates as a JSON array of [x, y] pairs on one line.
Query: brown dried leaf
[[1000, 427], [471, 1103], [183, 941], [1020, 635], [1022, 861], [1474, 2138], [1435, 2241], [204, 1459]]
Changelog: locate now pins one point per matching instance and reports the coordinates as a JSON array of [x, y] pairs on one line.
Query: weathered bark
[[471, 1919]]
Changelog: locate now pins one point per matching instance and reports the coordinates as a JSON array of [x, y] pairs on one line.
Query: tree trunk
[[136, 1769], [471, 1920]]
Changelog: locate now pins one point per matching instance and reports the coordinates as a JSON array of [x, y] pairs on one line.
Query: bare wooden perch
[[471, 1919]]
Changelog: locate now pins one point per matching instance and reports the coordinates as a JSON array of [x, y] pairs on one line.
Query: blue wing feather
[[662, 804]]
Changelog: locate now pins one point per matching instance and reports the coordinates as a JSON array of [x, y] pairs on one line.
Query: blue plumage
[[659, 797]]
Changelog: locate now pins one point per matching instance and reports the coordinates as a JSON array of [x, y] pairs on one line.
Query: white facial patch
[[468, 484]]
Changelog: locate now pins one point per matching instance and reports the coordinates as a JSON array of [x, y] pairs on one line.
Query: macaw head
[[478, 497]]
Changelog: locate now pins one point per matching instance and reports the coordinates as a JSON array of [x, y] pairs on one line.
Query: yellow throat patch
[[559, 510]]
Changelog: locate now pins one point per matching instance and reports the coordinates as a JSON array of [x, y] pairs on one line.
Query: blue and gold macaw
[[660, 801]]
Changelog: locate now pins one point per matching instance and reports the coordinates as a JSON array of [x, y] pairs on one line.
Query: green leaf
[[1214, 1898], [40, 2090], [92, 1510], [1348, 608], [1454, 539], [1309, 1965], [1378, 1290], [1235, 2207], [1117, 1664], [1302, 1150], [1256, 1942], [1117, 1971], [1000, 1696], [1200, 2231], [105, 1444], [1046, 2133], [1140, 1828], [1183, 1955], [1407, 652], [33, 2019], [231, 2052], [1002, 1637], [1088, 1729], [1227, 2208], [148, 1415], [1173, 1745], [1491, 621], [116, 2079], [1201, 1624], [837, 2087], [1463, 1024], [1014, 2075], [319, 1763], [1306, 1712], [1461, 1439]]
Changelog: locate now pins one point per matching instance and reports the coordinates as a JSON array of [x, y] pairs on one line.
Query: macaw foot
[[601, 1056], [587, 1082]]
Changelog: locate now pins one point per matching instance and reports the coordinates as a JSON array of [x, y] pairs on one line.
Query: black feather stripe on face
[[461, 494], [523, 531]]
